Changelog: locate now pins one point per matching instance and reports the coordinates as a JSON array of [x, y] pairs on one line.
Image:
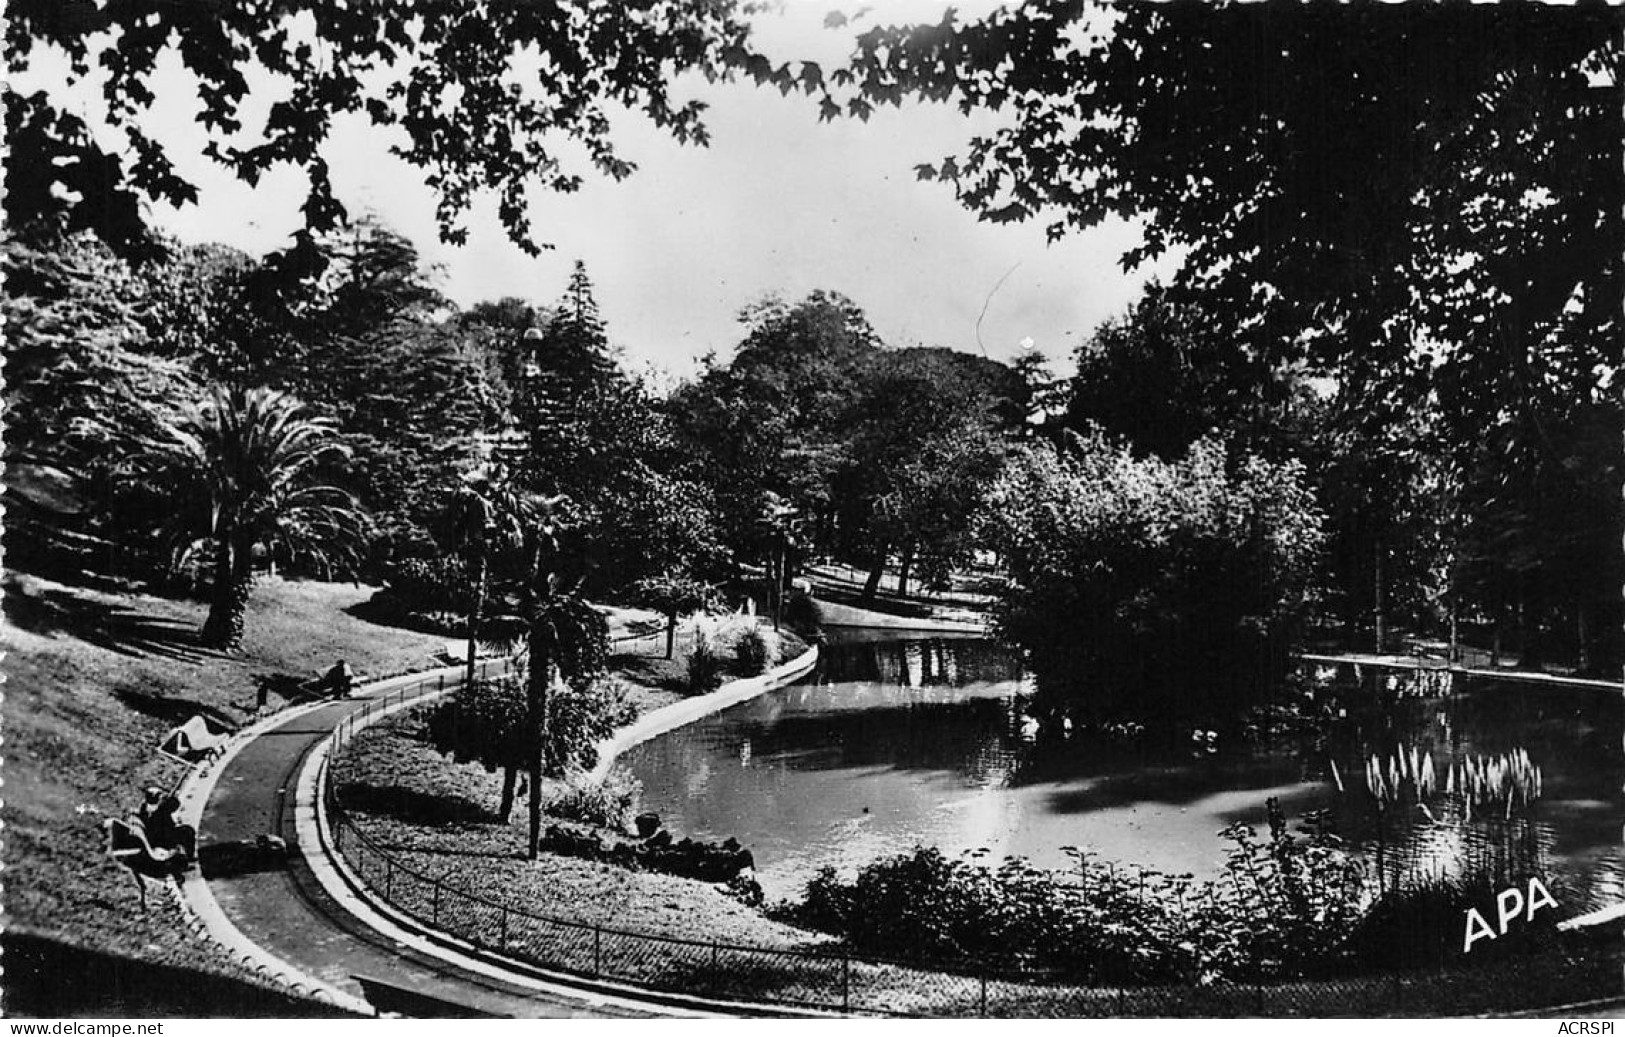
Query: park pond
[[894, 742]]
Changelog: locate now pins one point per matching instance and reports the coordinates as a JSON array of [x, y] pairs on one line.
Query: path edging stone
[[685, 711]]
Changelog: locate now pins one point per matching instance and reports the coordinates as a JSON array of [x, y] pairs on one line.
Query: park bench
[[395, 999], [199, 739]]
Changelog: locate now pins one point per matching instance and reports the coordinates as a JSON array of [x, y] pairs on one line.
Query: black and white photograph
[[813, 509]]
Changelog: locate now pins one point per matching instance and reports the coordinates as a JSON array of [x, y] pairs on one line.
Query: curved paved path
[[278, 904]]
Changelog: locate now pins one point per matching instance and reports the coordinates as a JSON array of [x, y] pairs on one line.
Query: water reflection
[[893, 743]]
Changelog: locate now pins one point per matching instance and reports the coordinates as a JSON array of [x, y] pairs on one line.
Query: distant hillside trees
[[878, 453]]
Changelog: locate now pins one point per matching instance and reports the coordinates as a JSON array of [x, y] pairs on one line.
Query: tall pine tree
[[568, 369]]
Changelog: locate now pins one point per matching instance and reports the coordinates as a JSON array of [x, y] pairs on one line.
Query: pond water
[[893, 743]]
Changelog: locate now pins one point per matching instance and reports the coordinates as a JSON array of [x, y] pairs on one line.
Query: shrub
[[755, 651], [707, 862], [827, 904], [430, 584], [487, 722], [704, 664], [1176, 586], [482, 722], [1286, 910], [609, 803], [1422, 923], [753, 647], [583, 713], [803, 614]]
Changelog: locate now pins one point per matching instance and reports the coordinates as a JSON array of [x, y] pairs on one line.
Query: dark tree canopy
[[776, 416], [1421, 202], [928, 438], [1351, 182], [1159, 378], [573, 354], [479, 96]]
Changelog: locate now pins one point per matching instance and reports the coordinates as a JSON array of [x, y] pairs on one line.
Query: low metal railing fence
[[837, 981]]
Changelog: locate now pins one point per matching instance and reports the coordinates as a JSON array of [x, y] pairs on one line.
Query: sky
[[779, 202]]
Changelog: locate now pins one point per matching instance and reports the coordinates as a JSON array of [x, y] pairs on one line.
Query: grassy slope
[[94, 680], [441, 818]]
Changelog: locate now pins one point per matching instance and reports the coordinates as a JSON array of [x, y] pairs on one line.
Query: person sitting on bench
[[163, 832], [340, 680]]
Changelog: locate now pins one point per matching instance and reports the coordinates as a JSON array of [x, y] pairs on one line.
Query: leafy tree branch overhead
[[481, 97], [1346, 182]]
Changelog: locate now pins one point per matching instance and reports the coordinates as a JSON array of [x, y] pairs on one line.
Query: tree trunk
[[1500, 626], [510, 777], [1455, 635], [778, 584], [671, 633], [481, 571], [540, 670], [1522, 630], [903, 568], [872, 585], [1376, 609], [1582, 631], [233, 577]]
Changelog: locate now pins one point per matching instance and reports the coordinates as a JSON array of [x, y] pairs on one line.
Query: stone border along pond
[[797, 967], [657, 722]]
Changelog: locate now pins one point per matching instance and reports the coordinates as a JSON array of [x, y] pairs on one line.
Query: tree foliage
[[488, 722], [1287, 908], [1445, 230], [632, 505], [927, 441], [81, 383], [242, 466], [1441, 237], [479, 96], [873, 449], [1168, 588]]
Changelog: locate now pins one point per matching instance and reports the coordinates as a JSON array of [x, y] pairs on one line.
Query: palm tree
[[566, 639], [250, 457], [571, 637], [487, 512]]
